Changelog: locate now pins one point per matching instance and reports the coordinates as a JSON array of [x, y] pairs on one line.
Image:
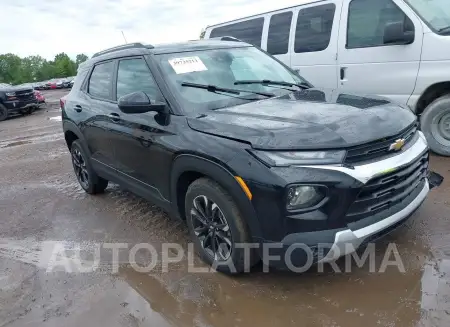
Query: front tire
[[435, 124], [87, 177], [216, 226]]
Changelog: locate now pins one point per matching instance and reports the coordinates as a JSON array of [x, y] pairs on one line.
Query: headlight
[[286, 159], [304, 196], [10, 94]]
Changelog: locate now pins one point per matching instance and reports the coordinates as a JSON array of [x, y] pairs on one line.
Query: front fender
[[224, 176]]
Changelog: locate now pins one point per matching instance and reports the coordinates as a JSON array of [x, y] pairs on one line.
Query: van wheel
[[3, 112], [88, 179], [435, 124], [217, 226]]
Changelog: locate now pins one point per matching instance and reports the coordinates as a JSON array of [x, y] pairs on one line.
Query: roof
[[144, 49], [197, 45]]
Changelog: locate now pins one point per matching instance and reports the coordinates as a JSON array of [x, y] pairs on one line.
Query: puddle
[[31, 139], [56, 118]]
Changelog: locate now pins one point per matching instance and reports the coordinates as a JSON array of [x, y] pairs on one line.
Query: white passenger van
[[395, 48]]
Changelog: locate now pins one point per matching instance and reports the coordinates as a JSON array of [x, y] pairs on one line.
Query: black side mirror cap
[[139, 103], [394, 33]]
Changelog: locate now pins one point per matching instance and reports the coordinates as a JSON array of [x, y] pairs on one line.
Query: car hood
[[15, 88], [308, 119]]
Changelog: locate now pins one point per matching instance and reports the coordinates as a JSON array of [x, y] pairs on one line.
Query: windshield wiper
[[269, 82], [444, 29], [215, 89]]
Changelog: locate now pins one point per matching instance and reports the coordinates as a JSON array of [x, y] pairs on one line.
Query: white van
[[395, 48]]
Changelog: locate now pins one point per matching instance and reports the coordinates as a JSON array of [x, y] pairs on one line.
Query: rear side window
[[313, 31], [367, 20], [278, 36], [249, 31], [101, 81], [134, 76]]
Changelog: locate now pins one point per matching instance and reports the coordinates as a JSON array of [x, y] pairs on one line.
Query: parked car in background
[[245, 150], [39, 86], [16, 99], [51, 85], [59, 84], [39, 97], [395, 48]]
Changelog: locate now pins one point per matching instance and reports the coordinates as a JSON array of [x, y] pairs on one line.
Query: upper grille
[[25, 94], [381, 193], [377, 149]]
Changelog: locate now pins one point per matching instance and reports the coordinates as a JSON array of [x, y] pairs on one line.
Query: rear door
[[313, 45], [366, 64], [97, 105]]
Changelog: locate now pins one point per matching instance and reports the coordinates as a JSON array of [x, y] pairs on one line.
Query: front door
[[367, 64], [139, 138]]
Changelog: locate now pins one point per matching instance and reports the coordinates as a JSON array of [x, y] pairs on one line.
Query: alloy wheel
[[79, 165], [211, 228]]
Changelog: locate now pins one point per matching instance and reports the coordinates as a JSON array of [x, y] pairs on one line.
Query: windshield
[[435, 13], [222, 68]]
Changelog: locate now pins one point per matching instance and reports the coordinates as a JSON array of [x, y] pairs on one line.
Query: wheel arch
[[188, 168], [73, 133], [432, 93]]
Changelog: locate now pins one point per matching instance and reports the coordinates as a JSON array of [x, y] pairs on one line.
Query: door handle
[[78, 108], [114, 116], [343, 69]]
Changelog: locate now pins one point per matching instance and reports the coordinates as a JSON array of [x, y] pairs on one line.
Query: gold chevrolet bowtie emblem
[[397, 145]]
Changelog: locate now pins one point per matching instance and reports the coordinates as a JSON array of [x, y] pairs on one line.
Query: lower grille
[[381, 193]]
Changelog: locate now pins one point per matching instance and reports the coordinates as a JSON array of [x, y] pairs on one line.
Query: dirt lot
[[42, 207]]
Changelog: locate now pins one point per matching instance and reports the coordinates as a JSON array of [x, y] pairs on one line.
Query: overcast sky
[[47, 27]]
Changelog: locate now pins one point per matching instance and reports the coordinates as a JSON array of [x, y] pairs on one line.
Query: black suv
[[16, 99], [222, 135]]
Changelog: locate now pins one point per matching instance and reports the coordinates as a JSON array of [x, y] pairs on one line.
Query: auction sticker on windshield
[[187, 65]]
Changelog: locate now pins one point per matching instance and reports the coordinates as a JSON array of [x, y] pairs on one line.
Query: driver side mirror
[[139, 103], [394, 33]]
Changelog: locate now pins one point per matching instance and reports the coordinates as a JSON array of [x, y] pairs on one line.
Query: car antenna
[[124, 37]]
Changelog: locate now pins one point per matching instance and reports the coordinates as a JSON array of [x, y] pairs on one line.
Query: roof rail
[[123, 47], [226, 38]]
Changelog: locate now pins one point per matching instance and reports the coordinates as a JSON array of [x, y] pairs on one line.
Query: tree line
[[17, 70]]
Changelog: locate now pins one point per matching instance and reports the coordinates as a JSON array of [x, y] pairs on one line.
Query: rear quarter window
[[100, 82]]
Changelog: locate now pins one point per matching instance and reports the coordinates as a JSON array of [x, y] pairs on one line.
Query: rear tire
[[87, 177], [435, 124], [3, 112], [223, 222]]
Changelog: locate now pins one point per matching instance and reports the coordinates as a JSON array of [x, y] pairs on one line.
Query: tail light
[[62, 103]]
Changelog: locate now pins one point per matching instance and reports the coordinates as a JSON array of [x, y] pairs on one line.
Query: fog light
[[304, 196]]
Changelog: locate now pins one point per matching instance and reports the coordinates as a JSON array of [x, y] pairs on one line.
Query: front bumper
[[347, 241], [13, 106], [333, 236]]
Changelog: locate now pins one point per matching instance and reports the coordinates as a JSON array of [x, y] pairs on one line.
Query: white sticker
[[187, 65]]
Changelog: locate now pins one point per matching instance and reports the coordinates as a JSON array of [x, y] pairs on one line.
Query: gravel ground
[[42, 208]]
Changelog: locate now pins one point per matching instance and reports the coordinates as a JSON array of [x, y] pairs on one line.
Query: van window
[[367, 20], [101, 81], [279, 30], [313, 31], [249, 31]]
